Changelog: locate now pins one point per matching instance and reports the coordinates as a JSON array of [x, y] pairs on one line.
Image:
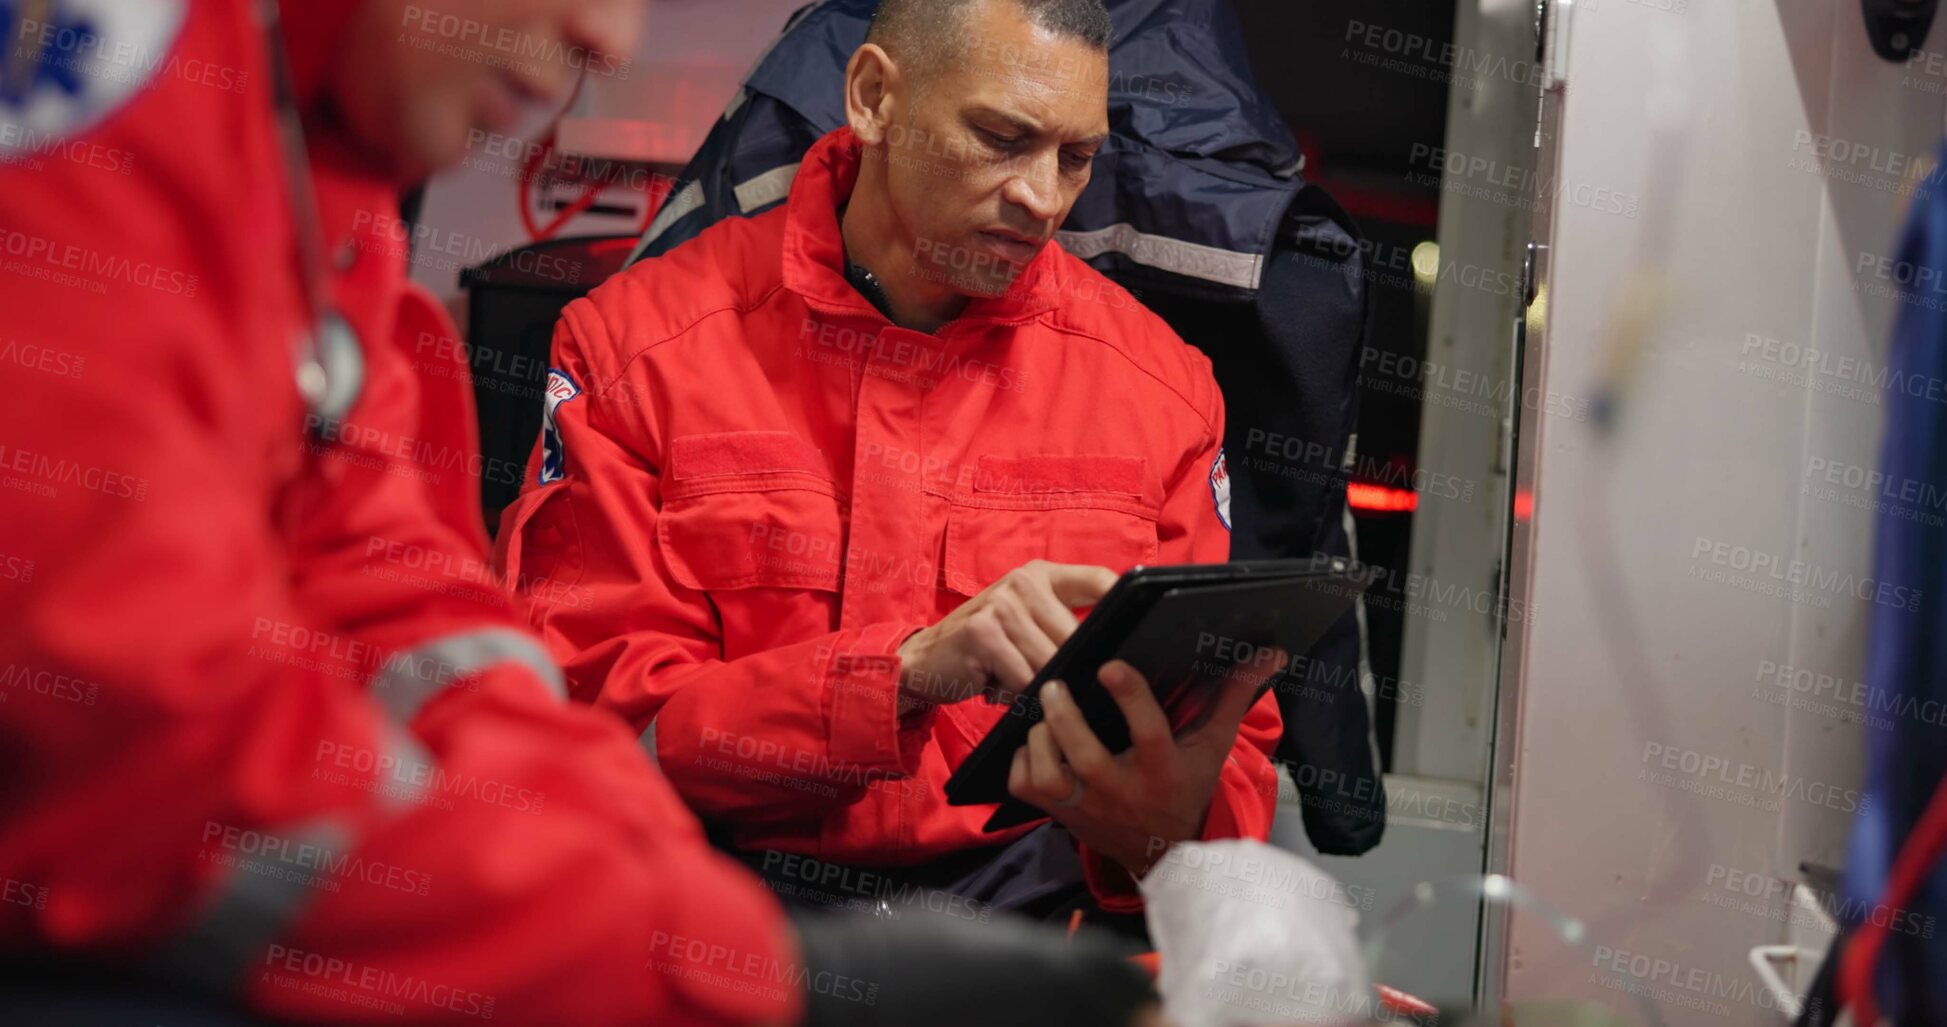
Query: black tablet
[[1185, 627]]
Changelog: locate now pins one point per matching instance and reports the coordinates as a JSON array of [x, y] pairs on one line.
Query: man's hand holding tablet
[[1119, 805], [1127, 801], [1131, 806], [1123, 733]]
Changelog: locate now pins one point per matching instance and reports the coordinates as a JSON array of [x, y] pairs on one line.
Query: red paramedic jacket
[[269, 723], [751, 488]]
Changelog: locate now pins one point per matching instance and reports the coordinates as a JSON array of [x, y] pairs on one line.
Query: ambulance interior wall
[[1688, 730]]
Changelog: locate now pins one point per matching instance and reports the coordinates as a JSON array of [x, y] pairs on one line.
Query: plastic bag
[[1250, 935]]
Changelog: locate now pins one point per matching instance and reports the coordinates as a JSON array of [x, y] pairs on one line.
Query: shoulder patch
[[1220, 487], [67, 64], [560, 389]]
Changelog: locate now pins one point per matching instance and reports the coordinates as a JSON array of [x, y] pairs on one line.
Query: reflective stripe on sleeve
[[687, 199], [407, 771], [765, 189], [412, 678], [254, 903], [271, 876], [1192, 260]]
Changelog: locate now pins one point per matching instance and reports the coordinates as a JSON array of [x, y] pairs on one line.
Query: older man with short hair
[[822, 476]]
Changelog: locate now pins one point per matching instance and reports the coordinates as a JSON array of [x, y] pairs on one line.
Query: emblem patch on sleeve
[[561, 389], [1220, 488], [67, 64]]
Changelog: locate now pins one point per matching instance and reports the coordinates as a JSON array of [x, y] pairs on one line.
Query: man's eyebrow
[[1014, 121], [1027, 127]]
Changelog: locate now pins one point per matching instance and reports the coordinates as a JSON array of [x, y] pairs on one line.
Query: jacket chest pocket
[[1065, 509], [750, 510]]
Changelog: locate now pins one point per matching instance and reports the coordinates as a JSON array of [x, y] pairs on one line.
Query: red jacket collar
[[814, 251]]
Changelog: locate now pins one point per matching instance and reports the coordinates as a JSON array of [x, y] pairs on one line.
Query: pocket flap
[[1056, 475], [742, 461], [750, 509]]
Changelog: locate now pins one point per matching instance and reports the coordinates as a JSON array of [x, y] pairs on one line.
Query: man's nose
[[1036, 186], [612, 27]]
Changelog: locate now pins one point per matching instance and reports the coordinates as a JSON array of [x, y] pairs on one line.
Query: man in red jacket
[[824, 474], [270, 727]]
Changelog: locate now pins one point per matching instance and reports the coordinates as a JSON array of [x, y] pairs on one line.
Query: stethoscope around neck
[[330, 361]]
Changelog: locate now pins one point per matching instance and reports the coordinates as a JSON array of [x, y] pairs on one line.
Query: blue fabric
[[1906, 662], [1195, 151], [1038, 876]]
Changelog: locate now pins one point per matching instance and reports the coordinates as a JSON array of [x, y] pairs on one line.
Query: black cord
[[868, 286]]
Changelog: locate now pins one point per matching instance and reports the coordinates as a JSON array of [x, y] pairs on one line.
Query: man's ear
[[871, 81]]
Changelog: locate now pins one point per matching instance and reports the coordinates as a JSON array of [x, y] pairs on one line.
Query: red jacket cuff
[[1223, 822], [1113, 887], [862, 678]]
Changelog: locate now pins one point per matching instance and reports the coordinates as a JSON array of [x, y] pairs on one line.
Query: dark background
[[1357, 124]]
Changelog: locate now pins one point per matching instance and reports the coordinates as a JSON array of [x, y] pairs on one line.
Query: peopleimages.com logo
[[508, 44]]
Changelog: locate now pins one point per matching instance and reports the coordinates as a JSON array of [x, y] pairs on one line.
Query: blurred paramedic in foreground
[[270, 731], [820, 476]]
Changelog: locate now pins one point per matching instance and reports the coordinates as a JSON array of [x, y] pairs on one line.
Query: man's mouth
[[1010, 246], [509, 99]]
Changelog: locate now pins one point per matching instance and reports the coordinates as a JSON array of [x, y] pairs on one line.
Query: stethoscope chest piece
[[330, 373]]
